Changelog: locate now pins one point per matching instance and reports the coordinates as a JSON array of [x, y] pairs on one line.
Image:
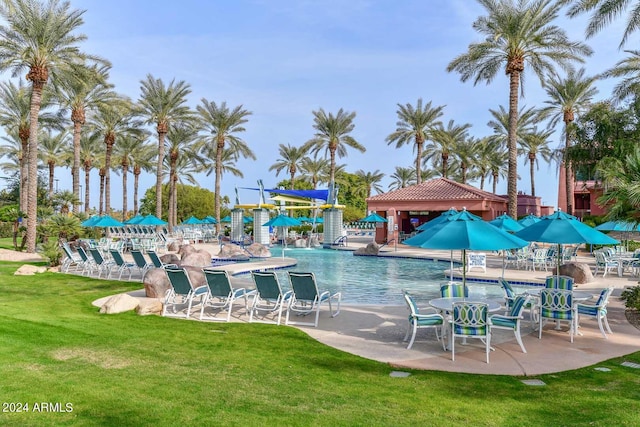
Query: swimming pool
[[376, 280]]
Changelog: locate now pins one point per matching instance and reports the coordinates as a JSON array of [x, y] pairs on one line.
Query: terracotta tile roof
[[436, 189]]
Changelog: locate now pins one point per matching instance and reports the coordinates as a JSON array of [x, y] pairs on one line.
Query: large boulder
[[170, 259], [196, 275], [119, 304], [197, 259], [186, 250], [148, 306], [580, 271], [258, 250], [369, 250], [156, 283], [231, 250], [173, 246]]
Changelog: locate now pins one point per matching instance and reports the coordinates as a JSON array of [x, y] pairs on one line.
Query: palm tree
[[332, 135], [444, 142], [370, 181], [620, 178], [184, 168], [604, 12], [91, 153], [402, 177], [222, 124], [64, 200], [527, 118], [466, 151], [15, 107], [498, 160], [163, 106], [290, 159], [629, 70], [483, 162], [113, 120], [534, 144], [123, 153], [568, 97], [516, 34], [414, 125], [39, 38], [181, 148], [142, 157], [316, 170], [54, 150], [80, 92]]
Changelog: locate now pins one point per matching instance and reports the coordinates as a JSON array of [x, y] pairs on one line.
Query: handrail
[[387, 243], [340, 241]]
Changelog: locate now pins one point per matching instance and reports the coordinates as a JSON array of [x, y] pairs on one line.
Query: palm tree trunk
[[532, 174], [136, 178], [219, 148], [495, 182], [32, 198], [51, 178], [109, 140], [482, 182], [75, 169], [24, 170], [445, 164], [174, 206], [568, 170], [512, 175], [125, 171], [464, 173], [100, 207], [159, 172], [86, 189], [419, 144]]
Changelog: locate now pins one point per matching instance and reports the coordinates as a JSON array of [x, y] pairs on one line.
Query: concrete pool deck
[[376, 331]]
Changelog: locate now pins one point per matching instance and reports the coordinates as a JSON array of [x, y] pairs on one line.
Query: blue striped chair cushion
[[469, 330], [501, 321], [426, 320], [591, 310], [552, 314]]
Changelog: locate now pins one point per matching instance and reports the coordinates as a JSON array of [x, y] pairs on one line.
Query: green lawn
[[118, 370]]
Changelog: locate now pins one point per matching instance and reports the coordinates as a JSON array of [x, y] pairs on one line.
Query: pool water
[[375, 280]]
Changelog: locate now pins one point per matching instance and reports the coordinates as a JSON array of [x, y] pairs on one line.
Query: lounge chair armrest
[[428, 316]]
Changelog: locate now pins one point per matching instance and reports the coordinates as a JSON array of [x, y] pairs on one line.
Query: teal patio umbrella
[[90, 221], [528, 220], [561, 228], [506, 223], [618, 226], [282, 221], [209, 220], [192, 220], [151, 220], [374, 217], [107, 221], [437, 220], [134, 220], [226, 219], [465, 231]]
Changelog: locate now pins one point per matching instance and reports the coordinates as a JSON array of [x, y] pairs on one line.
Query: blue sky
[[283, 59]]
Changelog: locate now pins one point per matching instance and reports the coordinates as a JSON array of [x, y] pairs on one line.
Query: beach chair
[[556, 304], [603, 262], [88, 264], [418, 320], [181, 293], [269, 298], [306, 298], [511, 320], [597, 310], [470, 320], [220, 294], [155, 260], [120, 263], [70, 259], [100, 264], [140, 261], [510, 296]]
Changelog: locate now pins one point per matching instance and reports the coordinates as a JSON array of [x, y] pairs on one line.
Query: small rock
[[149, 306], [29, 270]]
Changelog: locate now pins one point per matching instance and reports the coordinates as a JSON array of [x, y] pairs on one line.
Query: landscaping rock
[[580, 271], [258, 250], [231, 250], [186, 250], [149, 306], [156, 283], [371, 249], [29, 270], [119, 304], [197, 259], [195, 275], [173, 247], [170, 259]]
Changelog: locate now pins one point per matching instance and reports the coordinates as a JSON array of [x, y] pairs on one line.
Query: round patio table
[[577, 295], [446, 304]]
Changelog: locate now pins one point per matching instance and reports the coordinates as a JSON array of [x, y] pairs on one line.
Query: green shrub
[[631, 297], [51, 250]]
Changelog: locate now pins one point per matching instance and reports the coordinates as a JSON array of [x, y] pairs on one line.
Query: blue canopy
[[107, 221], [282, 221], [618, 226], [209, 220], [135, 220], [192, 221], [90, 221], [374, 217], [151, 220], [506, 223], [563, 229], [226, 219], [528, 220], [311, 194], [437, 220]]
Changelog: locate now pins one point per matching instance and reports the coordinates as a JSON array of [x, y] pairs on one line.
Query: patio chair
[[510, 296], [511, 321], [470, 320], [603, 262], [538, 258], [101, 265], [269, 298], [220, 294], [306, 298], [597, 310], [70, 259], [559, 282], [121, 264], [88, 264], [423, 320], [140, 261], [556, 304], [181, 292], [155, 260], [454, 290]]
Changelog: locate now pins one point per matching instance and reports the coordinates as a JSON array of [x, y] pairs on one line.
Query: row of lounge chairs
[[268, 303]]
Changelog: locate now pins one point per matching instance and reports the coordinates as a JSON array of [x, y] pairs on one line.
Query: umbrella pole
[[558, 256], [464, 272], [451, 266]]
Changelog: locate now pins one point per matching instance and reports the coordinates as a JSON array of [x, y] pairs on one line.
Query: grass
[[130, 370]]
